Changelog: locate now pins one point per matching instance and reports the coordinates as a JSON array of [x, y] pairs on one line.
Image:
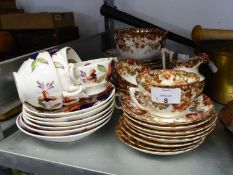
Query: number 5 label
[[166, 95]]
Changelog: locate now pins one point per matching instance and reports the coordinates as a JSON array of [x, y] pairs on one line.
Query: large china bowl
[[188, 83], [139, 43]]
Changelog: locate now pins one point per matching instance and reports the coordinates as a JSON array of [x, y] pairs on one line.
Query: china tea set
[[164, 110], [64, 98]]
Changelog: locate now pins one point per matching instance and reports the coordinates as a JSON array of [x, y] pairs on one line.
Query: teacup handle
[[132, 91], [118, 101], [78, 92], [71, 73], [163, 52]]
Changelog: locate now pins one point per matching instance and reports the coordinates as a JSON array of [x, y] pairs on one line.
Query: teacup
[[61, 61], [166, 93], [93, 75], [140, 43], [125, 77], [37, 82]]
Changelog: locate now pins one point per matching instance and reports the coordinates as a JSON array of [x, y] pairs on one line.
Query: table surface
[[103, 153]]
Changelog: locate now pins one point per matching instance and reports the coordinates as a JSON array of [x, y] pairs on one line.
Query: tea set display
[[64, 99], [164, 110]]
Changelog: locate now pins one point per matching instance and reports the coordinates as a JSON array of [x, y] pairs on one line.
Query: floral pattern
[[133, 40], [37, 60], [188, 82], [192, 62], [45, 98], [92, 76]]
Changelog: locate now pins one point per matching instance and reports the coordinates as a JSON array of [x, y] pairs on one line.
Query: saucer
[[200, 109], [178, 133], [157, 143], [67, 138], [170, 128], [64, 113], [135, 144], [170, 139]]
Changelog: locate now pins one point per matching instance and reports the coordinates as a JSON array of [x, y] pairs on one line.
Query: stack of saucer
[[166, 136], [66, 126], [161, 131], [64, 99]]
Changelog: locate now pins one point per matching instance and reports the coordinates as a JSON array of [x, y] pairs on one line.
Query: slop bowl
[[139, 43]]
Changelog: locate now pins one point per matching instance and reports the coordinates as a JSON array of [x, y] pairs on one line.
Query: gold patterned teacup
[[157, 87]]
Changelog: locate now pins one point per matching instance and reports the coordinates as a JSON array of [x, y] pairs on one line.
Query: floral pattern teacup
[[72, 91], [187, 84], [35, 86], [92, 74]]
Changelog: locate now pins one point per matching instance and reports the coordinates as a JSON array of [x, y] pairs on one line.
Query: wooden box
[[36, 21]]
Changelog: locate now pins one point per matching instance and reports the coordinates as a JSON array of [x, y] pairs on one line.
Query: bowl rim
[[197, 80], [141, 31]]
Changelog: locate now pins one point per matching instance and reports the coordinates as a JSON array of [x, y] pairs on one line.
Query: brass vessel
[[219, 85]]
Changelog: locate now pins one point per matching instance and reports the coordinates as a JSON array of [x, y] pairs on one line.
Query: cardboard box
[[4, 12], [32, 40], [7, 4], [36, 21]]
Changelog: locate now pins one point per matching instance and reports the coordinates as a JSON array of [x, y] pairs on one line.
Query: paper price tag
[[213, 67], [183, 57], [166, 95]]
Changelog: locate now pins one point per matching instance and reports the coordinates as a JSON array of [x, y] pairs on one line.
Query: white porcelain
[[60, 60], [93, 74], [84, 116], [35, 111], [63, 126], [70, 55], [66, 132], [68, 138], [35, 87]]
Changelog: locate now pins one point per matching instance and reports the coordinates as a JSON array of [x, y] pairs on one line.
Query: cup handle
[[71, 74], [163, 52], [78, 92], [118, 101], [132, 91]]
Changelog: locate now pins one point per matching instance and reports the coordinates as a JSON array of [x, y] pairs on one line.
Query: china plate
[[36, 111], [153, 150], [69, 138], [171, 132], [66, 127], [172, 137], [169, 128], [200, 113], [156, 143], [64, 132], [79, 117], [125, 127]]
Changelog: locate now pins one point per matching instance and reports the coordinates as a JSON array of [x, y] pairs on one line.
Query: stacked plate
[[63, 125], [166, 136]]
